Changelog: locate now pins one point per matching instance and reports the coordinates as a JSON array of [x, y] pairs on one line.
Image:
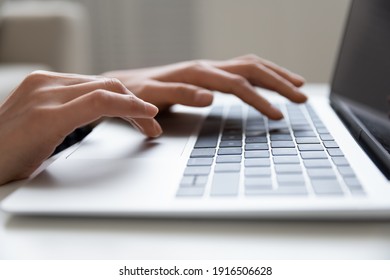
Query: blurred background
[[92, 36]]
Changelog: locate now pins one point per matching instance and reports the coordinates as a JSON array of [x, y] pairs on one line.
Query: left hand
[[190, 83], [48, 106]]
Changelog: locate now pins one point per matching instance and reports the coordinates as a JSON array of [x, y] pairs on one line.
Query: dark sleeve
[[76, 136]]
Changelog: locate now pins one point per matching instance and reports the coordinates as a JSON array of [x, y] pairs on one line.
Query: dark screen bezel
[[343, 108]]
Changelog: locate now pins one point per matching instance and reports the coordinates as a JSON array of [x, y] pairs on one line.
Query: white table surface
[[123, 238]]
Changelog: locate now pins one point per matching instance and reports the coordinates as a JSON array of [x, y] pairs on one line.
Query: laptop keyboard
[[240, 152]]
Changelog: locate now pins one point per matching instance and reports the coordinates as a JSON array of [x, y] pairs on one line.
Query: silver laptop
[[328, 158]]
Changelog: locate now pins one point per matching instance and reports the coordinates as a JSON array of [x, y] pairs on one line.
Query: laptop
[[328, 158]]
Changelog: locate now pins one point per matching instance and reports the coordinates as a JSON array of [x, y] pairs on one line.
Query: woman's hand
[[190, 83], [48, 106]]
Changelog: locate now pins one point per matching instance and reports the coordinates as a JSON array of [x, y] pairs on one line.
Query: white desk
[[97, 238]]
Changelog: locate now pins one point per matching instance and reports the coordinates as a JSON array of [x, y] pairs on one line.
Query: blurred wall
[[302, 35], [139, 33]]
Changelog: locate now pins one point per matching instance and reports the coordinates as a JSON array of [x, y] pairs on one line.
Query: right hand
[[48, 106], [191, 82]]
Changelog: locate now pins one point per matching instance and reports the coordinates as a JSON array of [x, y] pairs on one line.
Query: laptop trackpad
[[117, 139]]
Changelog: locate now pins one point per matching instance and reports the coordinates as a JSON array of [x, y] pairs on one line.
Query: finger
[[63, 78], [262, 76], [177, 93], [295, 79], [100, 103], [149, 127], [216, 79], [67, 93]]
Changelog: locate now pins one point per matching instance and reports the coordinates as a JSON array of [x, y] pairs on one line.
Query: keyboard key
[[310, 147], [319, 124], [335, 152], [255, 127], [233, 124], [187, 181], [313, 155], [215, 112], [259, 139], [207, 141], [234, 117], [326, 137], [290, 179], [305, 134], [257, 154], [352, 182], [208, 135], [252, 119], [230, 151], [255, 133], [281, 137], [258, 183], [255, 119], [346, 171], [354, 186], [231, 137], [286, 159], [256, 146], [201, 180], [257, 162], [207, 152], [227, 167], [339, 161], [330, 144], [284, 151], [277, 130], [282, 144], [200, 161], [321, 173], [307, 140], [225, 184], [257, 171], [229, 159], [315, 118], [300, 126], [326, 187], [190, 192], [317, 163], [296, 117], [288, 168], [278, 192], [232, 143], [232, 131], [197, 170], [322, 130], [293, 187]]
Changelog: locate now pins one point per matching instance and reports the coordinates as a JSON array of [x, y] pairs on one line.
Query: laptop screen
[[361, 80]]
